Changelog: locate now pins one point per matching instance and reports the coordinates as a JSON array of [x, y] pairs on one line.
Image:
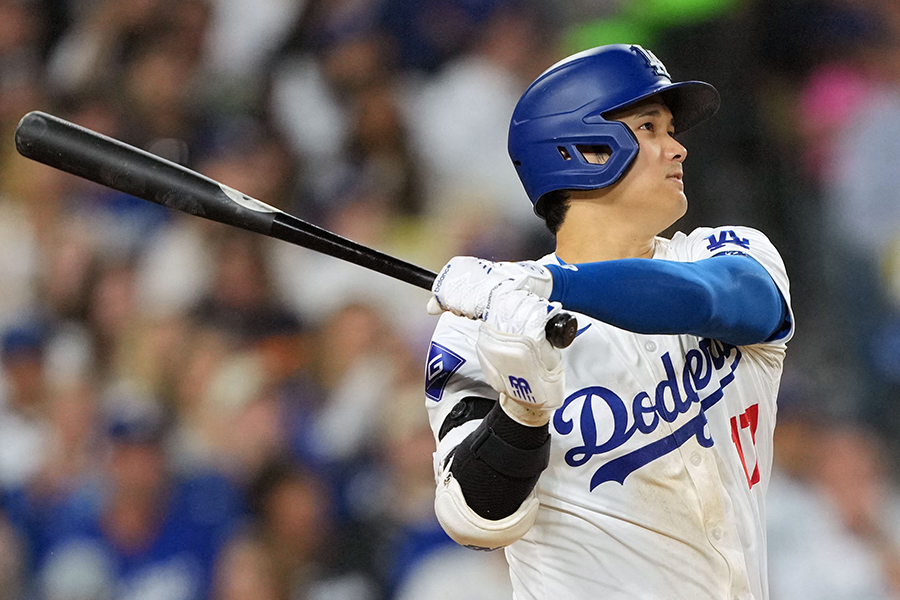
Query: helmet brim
[[691, 102]]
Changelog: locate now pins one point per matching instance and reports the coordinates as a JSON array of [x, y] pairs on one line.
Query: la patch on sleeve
[[442, 363], [727, 236]]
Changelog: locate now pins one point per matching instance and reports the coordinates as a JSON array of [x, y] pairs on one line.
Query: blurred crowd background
[[188, 411]]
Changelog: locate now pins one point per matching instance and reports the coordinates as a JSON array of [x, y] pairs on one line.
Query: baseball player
[[634, 463]]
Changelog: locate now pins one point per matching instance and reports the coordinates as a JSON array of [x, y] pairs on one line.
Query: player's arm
[[730, 297], [485, 482]]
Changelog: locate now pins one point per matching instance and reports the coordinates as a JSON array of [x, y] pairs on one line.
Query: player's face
[[653, 186]]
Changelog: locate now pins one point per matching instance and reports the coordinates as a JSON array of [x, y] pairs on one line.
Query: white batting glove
[[516, 358], [465, 285]]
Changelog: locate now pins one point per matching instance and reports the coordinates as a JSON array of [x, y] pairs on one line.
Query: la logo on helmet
[[654, 63]]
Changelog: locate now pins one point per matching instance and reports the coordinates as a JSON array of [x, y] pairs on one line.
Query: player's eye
[[648, 126]]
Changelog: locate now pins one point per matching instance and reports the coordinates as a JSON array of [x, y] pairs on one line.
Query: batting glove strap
[[466, 527], [523, 413]]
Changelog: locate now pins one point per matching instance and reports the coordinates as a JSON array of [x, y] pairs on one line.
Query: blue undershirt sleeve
[[729, 298]]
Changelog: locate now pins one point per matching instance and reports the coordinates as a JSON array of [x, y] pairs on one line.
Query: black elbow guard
[[499, 463]]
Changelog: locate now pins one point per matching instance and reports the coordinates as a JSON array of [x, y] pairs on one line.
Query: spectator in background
[[834, 508], [64, 478], [12, 563], [316, 80], [177, 266], [429, 33], [418, 560], [71, 444], [19, 254], [93, 51], [288, 553], [379, 154], [241, 295], [862, 212], [197, 357], [238, 402], [150, 536], [845, 542], [242, 38], [23, 420], [459, 119], [32, 205], [112, 318], [242, 418], [357, 366]]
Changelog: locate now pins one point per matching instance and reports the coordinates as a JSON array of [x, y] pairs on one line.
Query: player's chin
[[678, 206], [683, 205]]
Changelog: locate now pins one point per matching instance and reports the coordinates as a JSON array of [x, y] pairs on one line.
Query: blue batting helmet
[[567, 107]]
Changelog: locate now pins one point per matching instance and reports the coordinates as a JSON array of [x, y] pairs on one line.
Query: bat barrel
[[117, 165]]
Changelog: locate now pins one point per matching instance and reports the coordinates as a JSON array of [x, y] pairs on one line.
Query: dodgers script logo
[[673, 396]]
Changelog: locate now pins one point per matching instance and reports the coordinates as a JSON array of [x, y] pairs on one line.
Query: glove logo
[[521, 389], [442, 363]]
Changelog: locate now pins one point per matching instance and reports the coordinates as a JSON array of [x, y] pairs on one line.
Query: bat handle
[[561, 330]]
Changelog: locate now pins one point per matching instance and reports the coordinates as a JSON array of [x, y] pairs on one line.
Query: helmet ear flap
[[547, 162], [623, 154], [605, 155]]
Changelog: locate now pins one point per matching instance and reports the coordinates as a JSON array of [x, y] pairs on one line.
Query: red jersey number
[[741, 425]]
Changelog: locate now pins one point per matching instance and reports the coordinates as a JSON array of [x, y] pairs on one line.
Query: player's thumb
[[433, 307]]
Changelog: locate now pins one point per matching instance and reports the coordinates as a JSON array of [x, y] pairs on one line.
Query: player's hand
[[516, 358], [466, 284]]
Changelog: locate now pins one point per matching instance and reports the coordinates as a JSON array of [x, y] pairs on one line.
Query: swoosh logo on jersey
[[582, 330], [672, 397]]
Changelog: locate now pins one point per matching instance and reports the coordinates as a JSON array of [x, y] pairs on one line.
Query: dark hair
[[553, 206]]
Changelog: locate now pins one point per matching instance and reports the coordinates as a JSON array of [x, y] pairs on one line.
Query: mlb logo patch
[[442, 363]]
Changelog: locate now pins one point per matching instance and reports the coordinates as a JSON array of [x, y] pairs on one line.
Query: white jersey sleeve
[[452, 372]]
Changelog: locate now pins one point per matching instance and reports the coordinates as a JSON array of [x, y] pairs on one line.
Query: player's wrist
[[539, 279]]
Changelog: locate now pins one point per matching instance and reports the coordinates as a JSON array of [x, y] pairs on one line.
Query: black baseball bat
[[117, 165]]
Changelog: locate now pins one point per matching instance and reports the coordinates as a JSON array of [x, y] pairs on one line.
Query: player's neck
[[592, 234]]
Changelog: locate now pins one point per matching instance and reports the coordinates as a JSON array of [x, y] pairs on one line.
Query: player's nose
[[675, 150]]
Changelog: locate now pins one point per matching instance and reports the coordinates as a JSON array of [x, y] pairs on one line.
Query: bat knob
[[561, 330]]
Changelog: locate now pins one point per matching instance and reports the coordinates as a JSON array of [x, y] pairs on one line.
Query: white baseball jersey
[[660, 454]]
